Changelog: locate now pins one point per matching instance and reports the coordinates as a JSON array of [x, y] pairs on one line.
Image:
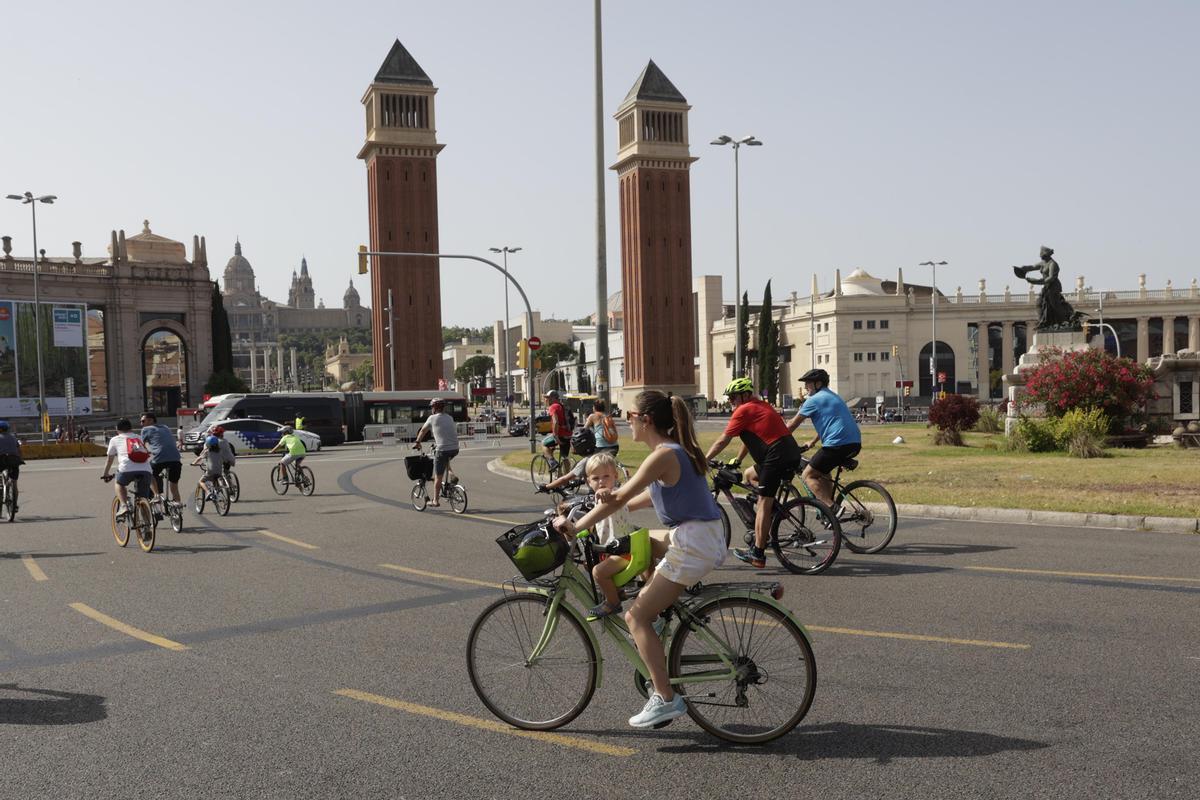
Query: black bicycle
[[865, 510], [805, 534], [8, 496]]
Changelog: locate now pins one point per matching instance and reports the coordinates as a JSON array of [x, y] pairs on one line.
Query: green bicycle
[[741, 660]]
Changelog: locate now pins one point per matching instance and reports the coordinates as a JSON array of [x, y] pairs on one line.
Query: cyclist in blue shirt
[[164, 455], [837, 431]]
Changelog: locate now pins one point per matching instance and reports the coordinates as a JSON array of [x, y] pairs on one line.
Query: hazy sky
[[894, 133]]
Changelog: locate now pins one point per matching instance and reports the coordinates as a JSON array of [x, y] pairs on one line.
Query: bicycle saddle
[[850, 465]]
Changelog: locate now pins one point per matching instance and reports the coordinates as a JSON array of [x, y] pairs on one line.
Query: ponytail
[[685, 433]]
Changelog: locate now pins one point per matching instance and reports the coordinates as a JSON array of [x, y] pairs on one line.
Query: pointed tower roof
[[303, 266], [401, 67], [652, 84]]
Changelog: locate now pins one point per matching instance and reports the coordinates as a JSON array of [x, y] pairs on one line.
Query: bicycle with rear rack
[[420, 469], [804, 533], [865, 510], [137, 518], [740, 659]]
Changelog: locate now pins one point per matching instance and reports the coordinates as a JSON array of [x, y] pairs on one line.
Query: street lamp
[[31, 201], [933, 304], [507, 378], [737, 247]]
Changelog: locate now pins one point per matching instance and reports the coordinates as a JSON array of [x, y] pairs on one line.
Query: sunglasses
[[633, 414]]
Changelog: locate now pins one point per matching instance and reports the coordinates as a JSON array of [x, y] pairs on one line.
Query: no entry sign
[[534, 343]]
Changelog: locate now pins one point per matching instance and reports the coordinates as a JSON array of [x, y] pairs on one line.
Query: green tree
[[552, 354], [473, 368], [225, 382], [364, 376], [456, 333], [581, 378], [743, 334], [222, 339], [768, 349]]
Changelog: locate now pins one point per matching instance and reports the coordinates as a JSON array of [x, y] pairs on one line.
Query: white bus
[[401, 414]]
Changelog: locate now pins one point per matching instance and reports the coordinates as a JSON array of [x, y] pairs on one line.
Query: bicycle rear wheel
[[776, 673], [539, 470], [868, 516], [805, 536], [725, 526], [145, 524], [175, 512], [542, 695], [420, 498], [120, 527], [10, 500], [458, 499], [305, 481], [279, 479]]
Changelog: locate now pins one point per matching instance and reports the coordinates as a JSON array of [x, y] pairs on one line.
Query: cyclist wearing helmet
[[10, 457], [837, 431], [133, 463], [164, 455], [769, 442], [295, 448], [440, 426], [211, 456], [228, 457]]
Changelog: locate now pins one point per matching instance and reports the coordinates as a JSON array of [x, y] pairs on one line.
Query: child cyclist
[[295, 449], [602, 475], [211, 457], [671, 479]]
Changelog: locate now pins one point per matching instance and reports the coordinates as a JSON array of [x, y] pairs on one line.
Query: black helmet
[[816, 376], [552, 393]]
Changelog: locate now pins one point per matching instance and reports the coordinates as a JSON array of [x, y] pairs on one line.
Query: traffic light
[[362, 259], [895, 351], [523, 354], [907, 391]]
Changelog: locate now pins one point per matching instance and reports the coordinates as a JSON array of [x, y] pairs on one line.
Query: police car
[[252, 436]]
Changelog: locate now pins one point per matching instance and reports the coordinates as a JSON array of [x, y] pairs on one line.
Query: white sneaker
[[657, 711]]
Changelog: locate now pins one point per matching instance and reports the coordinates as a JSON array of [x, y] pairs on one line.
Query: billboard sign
[[64, 357]]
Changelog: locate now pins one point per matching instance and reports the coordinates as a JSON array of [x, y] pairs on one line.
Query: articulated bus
[[400, 414]]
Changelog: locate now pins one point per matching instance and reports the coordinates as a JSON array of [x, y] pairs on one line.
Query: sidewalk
[[1018, 516]]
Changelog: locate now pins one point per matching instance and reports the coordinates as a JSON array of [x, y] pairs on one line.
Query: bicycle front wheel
[[176, 514], [805, 536], [774, 672], [539, 470], [458, 499], [539, 694], [120, 527], [198, 500], [146, 526], [725, 526], [279, 479], [868, 516], [306, 481], [419, 498], [235, 486]]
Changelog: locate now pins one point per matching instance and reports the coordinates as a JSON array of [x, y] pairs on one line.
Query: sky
[[894, 133]]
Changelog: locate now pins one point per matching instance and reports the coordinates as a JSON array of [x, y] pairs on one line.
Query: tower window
[[404, 111]]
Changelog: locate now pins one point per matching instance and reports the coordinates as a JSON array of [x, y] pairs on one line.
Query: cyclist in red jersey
[[765, 436]]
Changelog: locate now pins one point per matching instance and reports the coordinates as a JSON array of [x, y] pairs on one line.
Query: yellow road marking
[[296, 542], [33, 568], [422, 572], [129, 630], [576, 742], [916, 637], [1084, 574]]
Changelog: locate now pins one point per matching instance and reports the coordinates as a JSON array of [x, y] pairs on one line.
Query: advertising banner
[[68, 326], [64, 355]]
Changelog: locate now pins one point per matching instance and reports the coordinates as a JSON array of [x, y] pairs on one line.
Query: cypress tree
[[768, 349], [743, 335]]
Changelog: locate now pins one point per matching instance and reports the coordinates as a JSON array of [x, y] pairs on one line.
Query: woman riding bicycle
[[672, 480], [440, 426]]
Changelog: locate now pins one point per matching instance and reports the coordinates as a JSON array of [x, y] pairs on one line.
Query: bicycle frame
[[724, 487]]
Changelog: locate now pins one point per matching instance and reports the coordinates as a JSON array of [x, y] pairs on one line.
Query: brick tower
[[401, 153], [656, 237]]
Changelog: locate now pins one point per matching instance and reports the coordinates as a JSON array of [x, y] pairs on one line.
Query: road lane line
[[443, 576], [916, 637], [1083, 574], [296, 542], [564, 740], [128, 630], [494, 519], [33, 568]]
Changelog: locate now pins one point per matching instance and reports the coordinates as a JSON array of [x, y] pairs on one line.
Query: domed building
[[256, 322]]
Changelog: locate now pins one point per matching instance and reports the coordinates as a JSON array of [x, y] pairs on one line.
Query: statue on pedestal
[[1055, 314]]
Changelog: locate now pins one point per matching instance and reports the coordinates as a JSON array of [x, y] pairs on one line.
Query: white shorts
[[694, 549]]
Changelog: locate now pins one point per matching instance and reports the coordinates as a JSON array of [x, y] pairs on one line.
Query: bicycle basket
[[533, 549], [420, 467]]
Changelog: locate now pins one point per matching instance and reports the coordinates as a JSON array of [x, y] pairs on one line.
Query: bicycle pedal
[[662, 724]]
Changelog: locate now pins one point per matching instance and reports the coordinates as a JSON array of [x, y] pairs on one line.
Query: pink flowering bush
[[1091, 379]]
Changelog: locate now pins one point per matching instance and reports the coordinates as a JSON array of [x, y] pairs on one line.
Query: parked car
[[520, 427], [249, 436]]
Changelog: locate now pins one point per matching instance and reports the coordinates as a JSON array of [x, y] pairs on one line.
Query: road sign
[[69, 390], [534, 343], [941, 377]]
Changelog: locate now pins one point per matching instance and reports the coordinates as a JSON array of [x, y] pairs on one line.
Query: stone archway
[[945, 363], [164, 356]]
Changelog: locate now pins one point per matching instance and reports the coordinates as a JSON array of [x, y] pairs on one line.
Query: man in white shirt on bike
[[440, 426]]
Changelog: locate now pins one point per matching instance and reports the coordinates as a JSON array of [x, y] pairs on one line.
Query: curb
[[1012, 516]]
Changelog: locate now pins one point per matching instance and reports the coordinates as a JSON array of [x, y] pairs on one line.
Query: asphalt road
[[314, 647]]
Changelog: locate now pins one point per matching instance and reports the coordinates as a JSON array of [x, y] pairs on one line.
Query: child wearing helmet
[[295, 448], [211, 457], [228, 457]]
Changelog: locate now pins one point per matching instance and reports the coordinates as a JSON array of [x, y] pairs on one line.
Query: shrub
[[948, 436], [957, 412], [1036, 435], [1086, 444], [990, 421], [1091, 424], [1091, 378]]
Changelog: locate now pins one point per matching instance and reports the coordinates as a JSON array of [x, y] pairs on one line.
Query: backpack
[[583, 442], [135, 448], [610, 429]]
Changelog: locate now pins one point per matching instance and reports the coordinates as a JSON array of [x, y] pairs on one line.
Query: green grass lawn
[[1152, 482]]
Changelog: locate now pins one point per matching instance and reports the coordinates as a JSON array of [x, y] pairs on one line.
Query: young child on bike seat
[[602, 474], [211, 456]]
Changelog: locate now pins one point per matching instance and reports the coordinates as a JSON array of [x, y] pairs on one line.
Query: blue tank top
[[601, 442], [689, 499]]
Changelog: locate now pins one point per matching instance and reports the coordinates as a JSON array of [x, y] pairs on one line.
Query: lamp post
[[31, 201], [507, 378], [933, 323], [737, 247]]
